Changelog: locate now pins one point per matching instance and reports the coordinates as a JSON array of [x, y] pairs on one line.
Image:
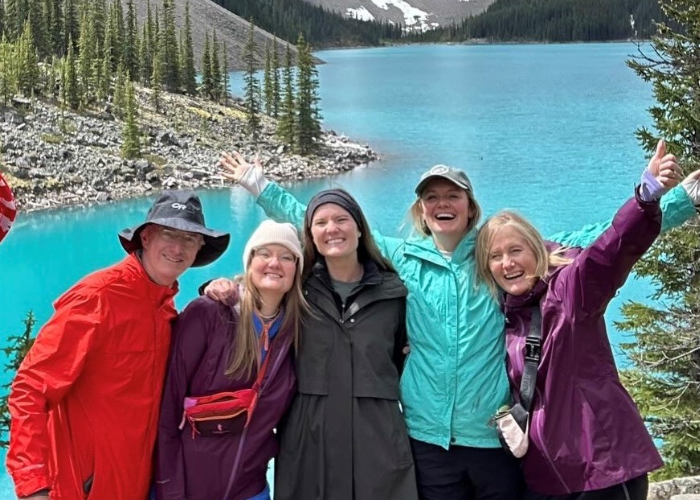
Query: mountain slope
[[206, 16], [321, 27], [417, 15], [554, 21]]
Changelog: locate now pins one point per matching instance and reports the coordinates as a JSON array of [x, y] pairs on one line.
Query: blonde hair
[[507, 218], [415, 215], [245, 349]]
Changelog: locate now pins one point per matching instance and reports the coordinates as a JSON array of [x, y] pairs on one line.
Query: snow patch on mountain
[[362, 13], [411, 14]]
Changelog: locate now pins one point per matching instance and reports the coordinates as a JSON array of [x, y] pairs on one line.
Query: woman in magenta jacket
[[223, 347], [587, 439]]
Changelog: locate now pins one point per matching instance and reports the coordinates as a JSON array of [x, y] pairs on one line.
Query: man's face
[[167, 253]]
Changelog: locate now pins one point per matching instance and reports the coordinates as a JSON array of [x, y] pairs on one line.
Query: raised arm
[[50, 369], [677, 206], [601, 269], [278, 203]]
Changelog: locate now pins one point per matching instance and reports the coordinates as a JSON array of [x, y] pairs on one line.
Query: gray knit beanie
[[270, 232]]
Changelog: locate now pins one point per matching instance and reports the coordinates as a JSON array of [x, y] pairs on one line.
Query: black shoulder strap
[[533, 350]]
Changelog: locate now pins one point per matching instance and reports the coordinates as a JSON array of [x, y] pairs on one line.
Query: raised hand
[[691, 184], [664, 167], [234, 166], [221, 290]]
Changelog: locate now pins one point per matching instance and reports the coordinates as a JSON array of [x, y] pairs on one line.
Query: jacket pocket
[[87, 485], [401, 442]]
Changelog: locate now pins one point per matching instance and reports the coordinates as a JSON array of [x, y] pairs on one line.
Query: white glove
[[691, 184], [254, 180], [235, 168]]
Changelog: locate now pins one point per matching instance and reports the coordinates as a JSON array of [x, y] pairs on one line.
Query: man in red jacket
[[85, 401]]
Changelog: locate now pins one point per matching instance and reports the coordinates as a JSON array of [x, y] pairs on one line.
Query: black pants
[[634, 489], [463, 473]]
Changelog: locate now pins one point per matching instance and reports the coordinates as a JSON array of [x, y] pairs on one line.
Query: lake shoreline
[[55, 159]]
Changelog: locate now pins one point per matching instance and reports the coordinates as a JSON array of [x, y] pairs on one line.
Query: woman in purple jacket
[[587, 439], [219, 348]]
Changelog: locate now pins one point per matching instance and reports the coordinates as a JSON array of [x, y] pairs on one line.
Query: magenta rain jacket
[[586, 432], [199, 467]]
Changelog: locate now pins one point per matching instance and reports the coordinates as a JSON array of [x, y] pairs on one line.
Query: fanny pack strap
[[533, 352], [259, 387]]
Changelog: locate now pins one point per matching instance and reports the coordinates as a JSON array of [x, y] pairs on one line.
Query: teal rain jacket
[[454, 379]]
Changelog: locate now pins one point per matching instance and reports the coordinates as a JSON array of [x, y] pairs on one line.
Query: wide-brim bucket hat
[[181, 210], [454, 175]]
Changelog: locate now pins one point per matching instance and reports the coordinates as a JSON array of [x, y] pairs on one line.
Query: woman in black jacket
[[344, 437]]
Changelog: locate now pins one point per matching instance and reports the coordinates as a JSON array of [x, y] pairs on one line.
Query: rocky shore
[[681, 488], [54, 158]]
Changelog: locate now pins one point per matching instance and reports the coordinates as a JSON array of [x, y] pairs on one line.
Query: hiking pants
[[464, 473]]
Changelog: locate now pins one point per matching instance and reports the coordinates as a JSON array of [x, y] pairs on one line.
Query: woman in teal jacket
[[455, 378]]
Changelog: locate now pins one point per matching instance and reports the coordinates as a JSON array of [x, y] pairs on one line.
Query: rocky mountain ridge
[[207, 17], [416, 15]]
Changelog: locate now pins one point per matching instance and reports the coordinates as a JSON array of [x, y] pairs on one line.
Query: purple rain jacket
[[199, 468], [585, 431]]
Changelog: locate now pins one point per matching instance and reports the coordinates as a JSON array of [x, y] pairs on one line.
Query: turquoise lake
[[545, 129]]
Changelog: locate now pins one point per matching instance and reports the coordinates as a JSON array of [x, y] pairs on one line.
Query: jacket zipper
[[538, 430]]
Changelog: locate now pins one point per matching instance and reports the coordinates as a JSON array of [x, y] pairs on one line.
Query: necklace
[[271, 316]]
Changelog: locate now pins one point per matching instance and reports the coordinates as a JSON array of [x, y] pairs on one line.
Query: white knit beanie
[[270, 232]]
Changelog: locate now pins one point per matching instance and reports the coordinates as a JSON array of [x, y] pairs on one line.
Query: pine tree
[[15, 15], [286, 126], [119, 98], [131, 147], [207, 82], [169, 48], [155, 31], [37, 18], [114, 35], [308, 114], [224, 75], [268, 90], [665, 375], [15, 350], [87, 46], [69, 79], [55, 26], [53, 78], [100, 10], [276, 70], [8, 70], [104, 77], [252, 87], [2, 18], [215, 69], [157, 81], [189, 72], [28, 65], [130, 42], [145, 57], [71, 26]]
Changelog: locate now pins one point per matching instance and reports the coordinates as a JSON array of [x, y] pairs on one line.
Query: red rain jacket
[[85, 401], [8, 211]]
